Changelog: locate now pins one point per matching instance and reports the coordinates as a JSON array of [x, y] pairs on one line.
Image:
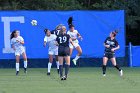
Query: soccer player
[[111, 45], [53, 49], [74, 35], [57, 29], [17, 44], [63, 40]]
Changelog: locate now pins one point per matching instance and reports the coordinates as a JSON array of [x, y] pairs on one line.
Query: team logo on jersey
[[110, 42]]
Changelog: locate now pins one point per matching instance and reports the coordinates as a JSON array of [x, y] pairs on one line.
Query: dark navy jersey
[[113, 43], [56, 32], [63, 40]]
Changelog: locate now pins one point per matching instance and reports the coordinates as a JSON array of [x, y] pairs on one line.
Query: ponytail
[[12, 34]]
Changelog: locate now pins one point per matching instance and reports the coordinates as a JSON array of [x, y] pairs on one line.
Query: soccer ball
[[34, 22]]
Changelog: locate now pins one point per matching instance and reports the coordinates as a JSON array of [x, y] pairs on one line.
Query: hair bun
[[45, 30], [116, 31]]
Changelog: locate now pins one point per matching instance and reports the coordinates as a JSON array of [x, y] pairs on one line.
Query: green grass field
[[81, 80]]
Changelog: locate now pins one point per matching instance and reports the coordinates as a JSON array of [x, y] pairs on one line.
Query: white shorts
[[53, 51], [75, 45], [19, 51]]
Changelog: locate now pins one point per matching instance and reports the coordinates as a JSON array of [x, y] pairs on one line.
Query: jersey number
[[56, 32], [63, 39]]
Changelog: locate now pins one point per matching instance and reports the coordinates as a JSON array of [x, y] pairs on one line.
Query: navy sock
[[104, 69], [66, 69], [61, 70], [118, 67]]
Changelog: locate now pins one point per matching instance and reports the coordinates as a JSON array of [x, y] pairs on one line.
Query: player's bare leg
[[50, 64], [113, 60], [17, 64], [105, 59], [78, 48], [60, 58], [71, 50], [74, 61], [57, 63], [67, 65], [25, 62]]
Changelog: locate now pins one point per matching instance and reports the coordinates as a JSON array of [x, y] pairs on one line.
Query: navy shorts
[[63, 51], [109, 55]]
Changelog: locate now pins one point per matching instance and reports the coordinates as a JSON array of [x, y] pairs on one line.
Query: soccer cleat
[[104, 75], [65, 77], [48, 74], [25, 70], [62, 78], [121, 73], [58, 71], [17, 72], [74, 61]]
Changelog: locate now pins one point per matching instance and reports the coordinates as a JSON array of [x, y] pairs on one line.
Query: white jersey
[[17, 45], [19, 48], [51, 40], [73, 35]]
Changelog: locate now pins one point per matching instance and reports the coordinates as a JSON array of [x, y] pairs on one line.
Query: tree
[[131, 8]]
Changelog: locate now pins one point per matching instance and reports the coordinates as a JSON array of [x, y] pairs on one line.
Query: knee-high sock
[[104, 69], [49, 67], [117, 67], [57, 64], [66, 69], [61, 70], [25, 64], [77, 57], [17, 66]]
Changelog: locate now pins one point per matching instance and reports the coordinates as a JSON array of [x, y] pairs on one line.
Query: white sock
[[76, 58], [57, 63], [25, 64], [17, 66], [49, 67]]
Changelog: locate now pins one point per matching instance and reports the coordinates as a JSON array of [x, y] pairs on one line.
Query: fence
[[134, 56], [94, 26]]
